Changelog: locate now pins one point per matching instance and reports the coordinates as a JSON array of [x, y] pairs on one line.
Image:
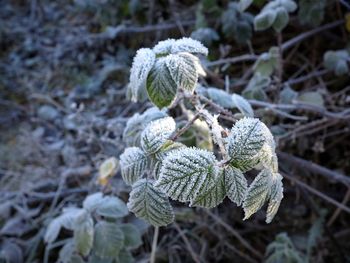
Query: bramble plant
[[158, 167], [98, 232]]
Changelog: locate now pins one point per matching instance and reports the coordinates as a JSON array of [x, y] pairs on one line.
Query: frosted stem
[[154, 245]]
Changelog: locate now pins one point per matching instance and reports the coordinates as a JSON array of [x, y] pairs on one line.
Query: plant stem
[[154, 244]]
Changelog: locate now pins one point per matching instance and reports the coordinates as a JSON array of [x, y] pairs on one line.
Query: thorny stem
[[154, 245]]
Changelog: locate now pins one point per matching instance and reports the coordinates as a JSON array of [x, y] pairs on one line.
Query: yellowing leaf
[[107, 169]]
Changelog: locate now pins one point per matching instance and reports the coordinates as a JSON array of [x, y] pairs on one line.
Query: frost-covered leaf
[[214, 196], [187, 173], [246, 139], [220, 97], [156, 134], [282, 19], [236, 184], [161, 87], [132, 236], [276, 195], [92, 201], [168, 147], [257, 194], [112, 207], [189, 45], [141, 66], [150, 204], [66, 220], [242, 105], [164, 47], [137, 123], [107, 169], [84, 233], [183, 69], [133, 163], [108, 239]]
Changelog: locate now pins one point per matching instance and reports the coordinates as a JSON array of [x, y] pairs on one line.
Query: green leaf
[[67, 251], [125, 257], [156, 134], [189, 45], [264, 20], [108, 239], [236, 184], [141, 66], [214, 196], [312, 97], [205, 35], [256, 86], [137, 123], [287, 95], [276, 195], [244, 4], [133, 163], [282, 19], [242, 105], [132, 236], [257, 194], [311, 12], [341, 68], [330, 59], [84, 234], [289, 5], [161, 87], [245, 141], [187, 173], [150, 204], [183, 70], [112, 207]]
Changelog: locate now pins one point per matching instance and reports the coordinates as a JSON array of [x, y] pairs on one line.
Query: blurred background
[[64, 70]]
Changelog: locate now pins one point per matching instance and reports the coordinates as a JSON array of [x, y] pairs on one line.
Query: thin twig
[[234, 233], [338, 210], [290, 43], [317, 193], [313, 167], [154, 244], [194, 256]]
